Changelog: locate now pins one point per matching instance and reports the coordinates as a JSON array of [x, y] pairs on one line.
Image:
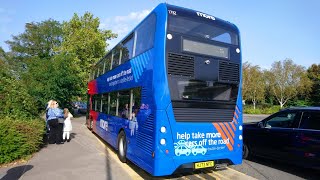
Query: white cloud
[[133, 16], [122, 25]]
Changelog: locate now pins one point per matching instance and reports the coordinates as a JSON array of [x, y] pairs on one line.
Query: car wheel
[[122, 147], [245, 151]]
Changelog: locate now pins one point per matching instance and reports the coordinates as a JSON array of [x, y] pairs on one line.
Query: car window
[[310, 120], [282, 120]]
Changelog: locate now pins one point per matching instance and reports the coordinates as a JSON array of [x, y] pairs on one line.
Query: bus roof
[[182, 12], [200, 16]]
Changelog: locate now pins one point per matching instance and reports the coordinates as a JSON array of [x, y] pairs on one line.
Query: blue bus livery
[[168, 96]]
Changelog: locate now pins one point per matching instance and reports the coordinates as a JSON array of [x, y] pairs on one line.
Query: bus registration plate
[[206, 164]]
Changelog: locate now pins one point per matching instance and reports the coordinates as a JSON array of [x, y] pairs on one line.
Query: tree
[[253, 83], [84, 39], [46, 73], [55, 78], [314, 75], [287, 80], [14, 99], [39, 39]]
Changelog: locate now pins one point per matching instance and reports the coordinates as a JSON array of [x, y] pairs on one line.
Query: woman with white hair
[[47, 108], [54, 113]]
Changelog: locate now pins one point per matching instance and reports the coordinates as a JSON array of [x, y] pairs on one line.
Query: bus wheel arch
[[122, 146]]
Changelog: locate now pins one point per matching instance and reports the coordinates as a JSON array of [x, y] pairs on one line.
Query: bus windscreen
[[191, 89], [208, 31]]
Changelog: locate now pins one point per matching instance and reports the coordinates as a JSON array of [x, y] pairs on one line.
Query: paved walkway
[[82, 158]]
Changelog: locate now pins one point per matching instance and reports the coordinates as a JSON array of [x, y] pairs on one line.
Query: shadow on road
[[289, 168], [16, 172], [72, 135]]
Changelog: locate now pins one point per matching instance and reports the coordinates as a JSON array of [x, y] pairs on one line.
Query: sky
[[271, 30]]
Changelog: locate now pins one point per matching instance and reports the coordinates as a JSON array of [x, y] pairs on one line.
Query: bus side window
[[101, 67], [145, 35], [105, 103], [136, 100], [98, 103], [93, 102], [113, 103], [107, 63], [124, 101], [96, 72], [127, 48], [116, 57]]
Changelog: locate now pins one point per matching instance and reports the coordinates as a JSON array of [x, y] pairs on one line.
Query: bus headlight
[[162, 141], [163, 129]]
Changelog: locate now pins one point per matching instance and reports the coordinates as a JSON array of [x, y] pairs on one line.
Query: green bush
[[20, 138], [261, 109]]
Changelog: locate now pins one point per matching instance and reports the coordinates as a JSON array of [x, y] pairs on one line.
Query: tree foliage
[[40, 39], [286, 80], [84, 39], [314, 75], [14, 98], [253, 83], [55, 78], [44, 73]]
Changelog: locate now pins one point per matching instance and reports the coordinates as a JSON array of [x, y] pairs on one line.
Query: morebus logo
[[205, 15], [172, 12], [104, 124]]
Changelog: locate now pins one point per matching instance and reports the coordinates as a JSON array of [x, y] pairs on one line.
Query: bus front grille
[[228, 72], [180, 65], [203, 115]]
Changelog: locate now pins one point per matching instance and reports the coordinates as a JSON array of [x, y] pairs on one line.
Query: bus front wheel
[[122, 147]]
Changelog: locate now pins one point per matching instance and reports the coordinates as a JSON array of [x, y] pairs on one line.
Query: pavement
[[81, 158], [88, 157]]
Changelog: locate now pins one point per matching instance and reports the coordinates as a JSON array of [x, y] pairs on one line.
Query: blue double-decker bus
[[168, 96]]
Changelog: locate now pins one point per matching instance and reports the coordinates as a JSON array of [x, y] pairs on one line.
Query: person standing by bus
[[54, 113], [67, 126]]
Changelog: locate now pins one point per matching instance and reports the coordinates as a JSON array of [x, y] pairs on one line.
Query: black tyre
[[245, 151], [122, 147]]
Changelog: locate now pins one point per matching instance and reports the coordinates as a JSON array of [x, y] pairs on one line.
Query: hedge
[[248, 109], [20, 138]]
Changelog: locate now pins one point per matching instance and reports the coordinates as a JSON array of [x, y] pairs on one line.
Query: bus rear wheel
[[122, 147]]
